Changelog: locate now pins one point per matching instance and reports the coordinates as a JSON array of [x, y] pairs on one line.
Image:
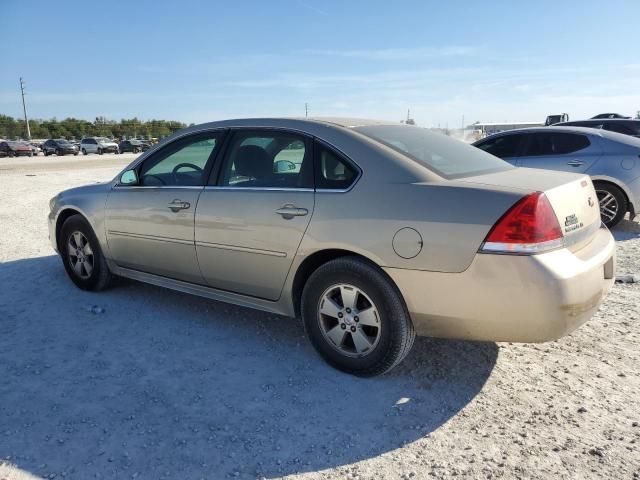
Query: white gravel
[[141, 382]]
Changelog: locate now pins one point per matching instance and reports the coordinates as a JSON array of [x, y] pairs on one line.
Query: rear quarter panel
[[452, 220]]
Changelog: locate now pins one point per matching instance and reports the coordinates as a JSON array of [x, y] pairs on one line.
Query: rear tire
[[613, 203], [84, 151], [82, 256], [347, 301], [99, 151]]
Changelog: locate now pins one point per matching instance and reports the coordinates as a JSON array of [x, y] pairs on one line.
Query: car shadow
[[142, 380], [626, 230]]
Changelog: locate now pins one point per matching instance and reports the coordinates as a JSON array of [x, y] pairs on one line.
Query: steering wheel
[[182, 165]]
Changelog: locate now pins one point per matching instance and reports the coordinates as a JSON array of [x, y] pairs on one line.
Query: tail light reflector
[[529, 226]]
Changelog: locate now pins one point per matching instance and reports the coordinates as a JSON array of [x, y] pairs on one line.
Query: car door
[[150, 224], [554, 150], [250, 221], [506, 146]]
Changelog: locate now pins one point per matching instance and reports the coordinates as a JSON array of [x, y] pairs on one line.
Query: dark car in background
[[134, 146], [619, 125], [611, 159], [608, 115], [59, 146], [14, 149]]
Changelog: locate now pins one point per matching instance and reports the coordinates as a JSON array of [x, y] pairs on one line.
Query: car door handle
[[289, 211], [178, 205], [575, 163]]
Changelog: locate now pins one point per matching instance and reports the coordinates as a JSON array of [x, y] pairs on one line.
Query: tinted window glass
[[181, 163], [504, 146], [554, 143], [620, 128], [267, 160], [333, 171], [443, 155]]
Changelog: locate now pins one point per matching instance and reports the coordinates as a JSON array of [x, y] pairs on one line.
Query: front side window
[[332, 171], [504, 146], [447, 157], [555, 143], [267, 160], [181, 163]]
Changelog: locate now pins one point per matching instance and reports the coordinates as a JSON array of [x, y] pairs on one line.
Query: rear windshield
[[446, 156]]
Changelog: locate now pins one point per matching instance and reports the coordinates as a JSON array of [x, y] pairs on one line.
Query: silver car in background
[[611, 159], [371, 232]]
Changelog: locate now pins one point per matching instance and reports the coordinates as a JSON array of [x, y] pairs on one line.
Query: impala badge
[[572, 223], [590, 202]]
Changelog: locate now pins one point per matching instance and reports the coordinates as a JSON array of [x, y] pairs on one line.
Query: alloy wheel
[[349, 320], [80, 254], [608, 205]]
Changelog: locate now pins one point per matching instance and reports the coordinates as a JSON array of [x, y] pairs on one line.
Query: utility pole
[[306, 110], [24, 109]]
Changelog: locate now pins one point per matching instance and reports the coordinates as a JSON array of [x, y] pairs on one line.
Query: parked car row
[[61, 146]]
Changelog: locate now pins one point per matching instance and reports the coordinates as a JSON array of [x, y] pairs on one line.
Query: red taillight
[[530, 226]]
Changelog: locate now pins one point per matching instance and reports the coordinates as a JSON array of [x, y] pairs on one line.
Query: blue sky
[[201, 61]]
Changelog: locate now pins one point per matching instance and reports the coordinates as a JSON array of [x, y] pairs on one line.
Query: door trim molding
[[116, 233], [258, 251]]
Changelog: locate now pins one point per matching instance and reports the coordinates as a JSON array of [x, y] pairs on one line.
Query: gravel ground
[[141, 382]]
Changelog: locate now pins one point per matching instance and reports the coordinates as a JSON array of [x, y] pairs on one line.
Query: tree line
[[74, 128]]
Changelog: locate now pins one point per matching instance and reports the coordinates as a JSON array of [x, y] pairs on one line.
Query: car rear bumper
[[533, 298]]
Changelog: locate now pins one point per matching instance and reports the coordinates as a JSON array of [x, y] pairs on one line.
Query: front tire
[[355, 317], [99, 151], [82, 256], [84, 151], [613, 203]]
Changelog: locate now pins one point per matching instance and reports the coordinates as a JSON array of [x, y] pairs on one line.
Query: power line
[[24, 109]]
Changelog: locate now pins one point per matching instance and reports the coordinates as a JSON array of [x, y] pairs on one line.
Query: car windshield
[[103, 139], [448, 157], [63, 142]]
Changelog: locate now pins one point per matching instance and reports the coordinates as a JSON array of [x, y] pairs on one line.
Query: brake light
[[529, 226]]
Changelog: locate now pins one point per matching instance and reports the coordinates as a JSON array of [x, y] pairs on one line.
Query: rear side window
[[333, 171], [555, 143], [445, 156], [269, 159], [503, 146]]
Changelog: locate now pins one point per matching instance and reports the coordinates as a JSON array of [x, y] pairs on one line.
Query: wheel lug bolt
[[340, 315], [356, 319], [348, 310], [343, 326], [353, 329]]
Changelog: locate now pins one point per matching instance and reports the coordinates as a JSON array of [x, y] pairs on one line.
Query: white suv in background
[[98, 145]]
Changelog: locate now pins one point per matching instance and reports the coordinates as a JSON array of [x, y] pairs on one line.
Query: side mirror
[[129, 177], [283, 166]]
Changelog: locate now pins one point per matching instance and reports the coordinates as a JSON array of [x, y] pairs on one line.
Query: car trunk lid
[[572, 197]]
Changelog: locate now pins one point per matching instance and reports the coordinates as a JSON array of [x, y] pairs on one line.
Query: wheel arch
[[315, 261], [62, 217]]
